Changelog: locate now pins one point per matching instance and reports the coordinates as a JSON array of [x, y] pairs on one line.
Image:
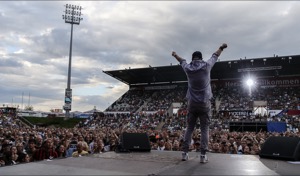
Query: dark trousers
[[203, 112]]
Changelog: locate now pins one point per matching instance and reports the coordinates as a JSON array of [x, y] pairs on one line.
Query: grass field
[[56, 122]]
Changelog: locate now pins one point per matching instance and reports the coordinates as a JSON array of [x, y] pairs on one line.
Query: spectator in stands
[[56, 142], [255, 149], [31, 148], [47, 151], [79, 150], [20, 151], [14, 156], [10, 157], [89, 138], [176, 145], [112, 145], [232, 149], [39, 141], [247, 150], [31, 136], [199, 94], [85, 144], [154, 145], [225, 147], [20, 139], [168, 146], [2, 162], [216, 148], [98, 147], [61, 151], [26, 159], [6, 152], [241, 147], [161, 145], [232, 146], [71, 146]]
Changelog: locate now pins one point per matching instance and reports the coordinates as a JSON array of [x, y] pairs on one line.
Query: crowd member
[[26, 159], [61, 151], [241, 147], [2, 162], [176, 145], [56, 142], [30, 149], [232, 146], [12, 157], [161, 145], [168, 146], [71, 146], [80, 150], [216, 147], [46, 151], [255, 149], [20, 151], [154, 145], [39, 141], [247, 150], [98, 147], [225, 147], [199, 95], [6, 152], [84, 143]]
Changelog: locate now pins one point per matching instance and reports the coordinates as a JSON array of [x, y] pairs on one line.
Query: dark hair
[[197, 54], [31, 141]]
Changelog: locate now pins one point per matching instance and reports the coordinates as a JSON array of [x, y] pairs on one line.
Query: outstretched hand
[[178, 58], [174, 53], [224, 45]]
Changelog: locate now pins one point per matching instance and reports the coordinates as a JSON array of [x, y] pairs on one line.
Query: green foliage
[[29, 108], [57, 121]]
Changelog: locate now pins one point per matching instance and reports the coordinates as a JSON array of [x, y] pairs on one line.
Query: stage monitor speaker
[[283, 148], [135, 142]]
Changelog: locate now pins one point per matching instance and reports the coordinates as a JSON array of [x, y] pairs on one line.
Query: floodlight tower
[[72, 16]]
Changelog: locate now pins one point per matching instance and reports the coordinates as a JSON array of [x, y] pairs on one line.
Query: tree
[[29, 108]]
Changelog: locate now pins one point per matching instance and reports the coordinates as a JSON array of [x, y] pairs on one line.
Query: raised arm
[[179, 59], [221, 48]]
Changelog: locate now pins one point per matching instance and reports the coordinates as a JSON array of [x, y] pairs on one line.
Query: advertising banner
[[68, 99]]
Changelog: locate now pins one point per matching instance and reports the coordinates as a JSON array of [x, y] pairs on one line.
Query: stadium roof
[[235, 69]]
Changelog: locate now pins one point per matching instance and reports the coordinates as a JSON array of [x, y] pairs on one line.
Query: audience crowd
[[101, 132]]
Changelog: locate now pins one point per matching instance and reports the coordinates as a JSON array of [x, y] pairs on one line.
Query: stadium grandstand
[[244, 90]]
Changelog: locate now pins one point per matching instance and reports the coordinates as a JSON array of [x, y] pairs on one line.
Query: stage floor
[[155, 163]]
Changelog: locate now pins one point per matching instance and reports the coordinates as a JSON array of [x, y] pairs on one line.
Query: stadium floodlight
[[72, 16], [290, 58], [250, 82]]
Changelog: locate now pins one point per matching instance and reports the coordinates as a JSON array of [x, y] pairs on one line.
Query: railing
[[25, 121]]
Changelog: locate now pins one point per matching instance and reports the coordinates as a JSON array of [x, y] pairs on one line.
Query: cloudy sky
[[35, 40]]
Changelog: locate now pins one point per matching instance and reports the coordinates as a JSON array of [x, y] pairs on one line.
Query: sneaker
[[185, 156], [203, 159]]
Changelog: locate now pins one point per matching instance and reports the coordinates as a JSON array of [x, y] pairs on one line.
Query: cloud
[[35, 43], [110, 86]]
